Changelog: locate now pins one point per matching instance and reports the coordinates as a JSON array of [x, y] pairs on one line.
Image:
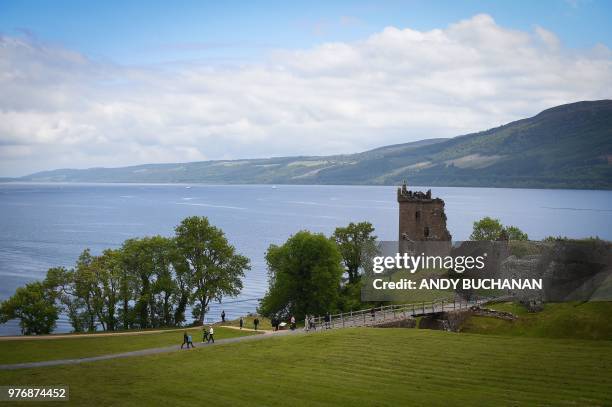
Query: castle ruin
[[421, 217]]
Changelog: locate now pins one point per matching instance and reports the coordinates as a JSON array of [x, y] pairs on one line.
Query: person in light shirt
[[211, 332]]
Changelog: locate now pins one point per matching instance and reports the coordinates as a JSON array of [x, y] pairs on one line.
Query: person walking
[[189, 342], [223, 316], [204, 334], [241, 322], [306, 323], [211, 333], [275, 323], [311, 323], [185, 340], [256, 322], [292, 323]]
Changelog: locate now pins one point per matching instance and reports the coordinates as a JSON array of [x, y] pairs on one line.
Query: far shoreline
[[281, 185]]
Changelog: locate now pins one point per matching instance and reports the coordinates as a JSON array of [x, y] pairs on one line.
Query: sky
[[114, 83]]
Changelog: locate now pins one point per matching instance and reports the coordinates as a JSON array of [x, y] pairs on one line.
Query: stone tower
[[421, 217]]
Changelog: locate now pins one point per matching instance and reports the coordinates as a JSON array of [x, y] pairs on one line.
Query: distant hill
[[568, 146]]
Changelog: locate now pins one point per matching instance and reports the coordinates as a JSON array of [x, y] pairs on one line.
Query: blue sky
[[136, 32], [116, 83]]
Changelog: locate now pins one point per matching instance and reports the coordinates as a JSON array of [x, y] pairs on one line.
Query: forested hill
[[568, 146]]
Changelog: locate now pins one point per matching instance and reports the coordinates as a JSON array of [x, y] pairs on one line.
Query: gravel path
[[144, 352]]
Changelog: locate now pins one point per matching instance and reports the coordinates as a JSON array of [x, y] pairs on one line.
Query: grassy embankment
[[264, 323], [349, 367], [79, 346], [589, 320]]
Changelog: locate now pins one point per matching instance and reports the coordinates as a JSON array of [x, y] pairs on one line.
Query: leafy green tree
[[63, 281], [492, 229], [85, 285], [354, 242], [515, 233], [304, 276], [213, 267], [138, 258], [108, 272], [34, 306], [184, 284], [164, 288]]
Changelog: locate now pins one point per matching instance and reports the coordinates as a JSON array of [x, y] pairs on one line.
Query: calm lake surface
[[47, 225]]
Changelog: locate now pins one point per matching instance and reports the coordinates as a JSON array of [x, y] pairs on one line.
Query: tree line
[[149, 282], [146, 283]]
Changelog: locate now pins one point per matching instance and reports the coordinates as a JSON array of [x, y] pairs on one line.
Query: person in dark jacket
[[185, 340]]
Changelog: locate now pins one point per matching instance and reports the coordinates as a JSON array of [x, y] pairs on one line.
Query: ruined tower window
[[417, 215], [426, 231]]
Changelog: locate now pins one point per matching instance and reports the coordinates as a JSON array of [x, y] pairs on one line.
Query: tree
[[164, 288], [183, 282], [64, 285], [213, 267], [108, 272], [304, 276], [354, 242], [138, 259], [492, 229], [85, 286], [515, 233], [34, 306]]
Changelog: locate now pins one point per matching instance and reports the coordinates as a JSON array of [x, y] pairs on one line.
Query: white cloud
[[60, 109]]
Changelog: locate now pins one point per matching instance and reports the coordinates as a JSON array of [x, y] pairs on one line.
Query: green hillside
[[352, 367], [569, 146], [589, 320]]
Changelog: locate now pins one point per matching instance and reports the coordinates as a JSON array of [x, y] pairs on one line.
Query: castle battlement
[[404, 194], [421, 217]]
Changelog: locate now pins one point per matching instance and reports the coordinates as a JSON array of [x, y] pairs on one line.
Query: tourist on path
[[204, 334], [292, 323], [275, 322], [189, 342], [223, 316], [306, 322], [256, 322], [241, 322], [185, 340], [211, 332]]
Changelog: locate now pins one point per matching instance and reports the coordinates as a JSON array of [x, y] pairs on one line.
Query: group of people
[[208, 336], [309, 323], [255, 323], [277, 323]]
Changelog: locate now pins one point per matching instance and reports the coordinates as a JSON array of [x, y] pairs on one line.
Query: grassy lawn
[[590, 320], [264, 323], [17, 351], [350, 367]]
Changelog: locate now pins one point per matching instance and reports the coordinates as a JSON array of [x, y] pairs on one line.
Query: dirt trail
[[144, 352]]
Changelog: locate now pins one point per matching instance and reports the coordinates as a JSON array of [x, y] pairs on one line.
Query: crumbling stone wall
[[421, 217]]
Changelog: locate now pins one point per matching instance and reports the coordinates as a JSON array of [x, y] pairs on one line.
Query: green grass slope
[[352, 367], [590, 320], [80, 346]]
